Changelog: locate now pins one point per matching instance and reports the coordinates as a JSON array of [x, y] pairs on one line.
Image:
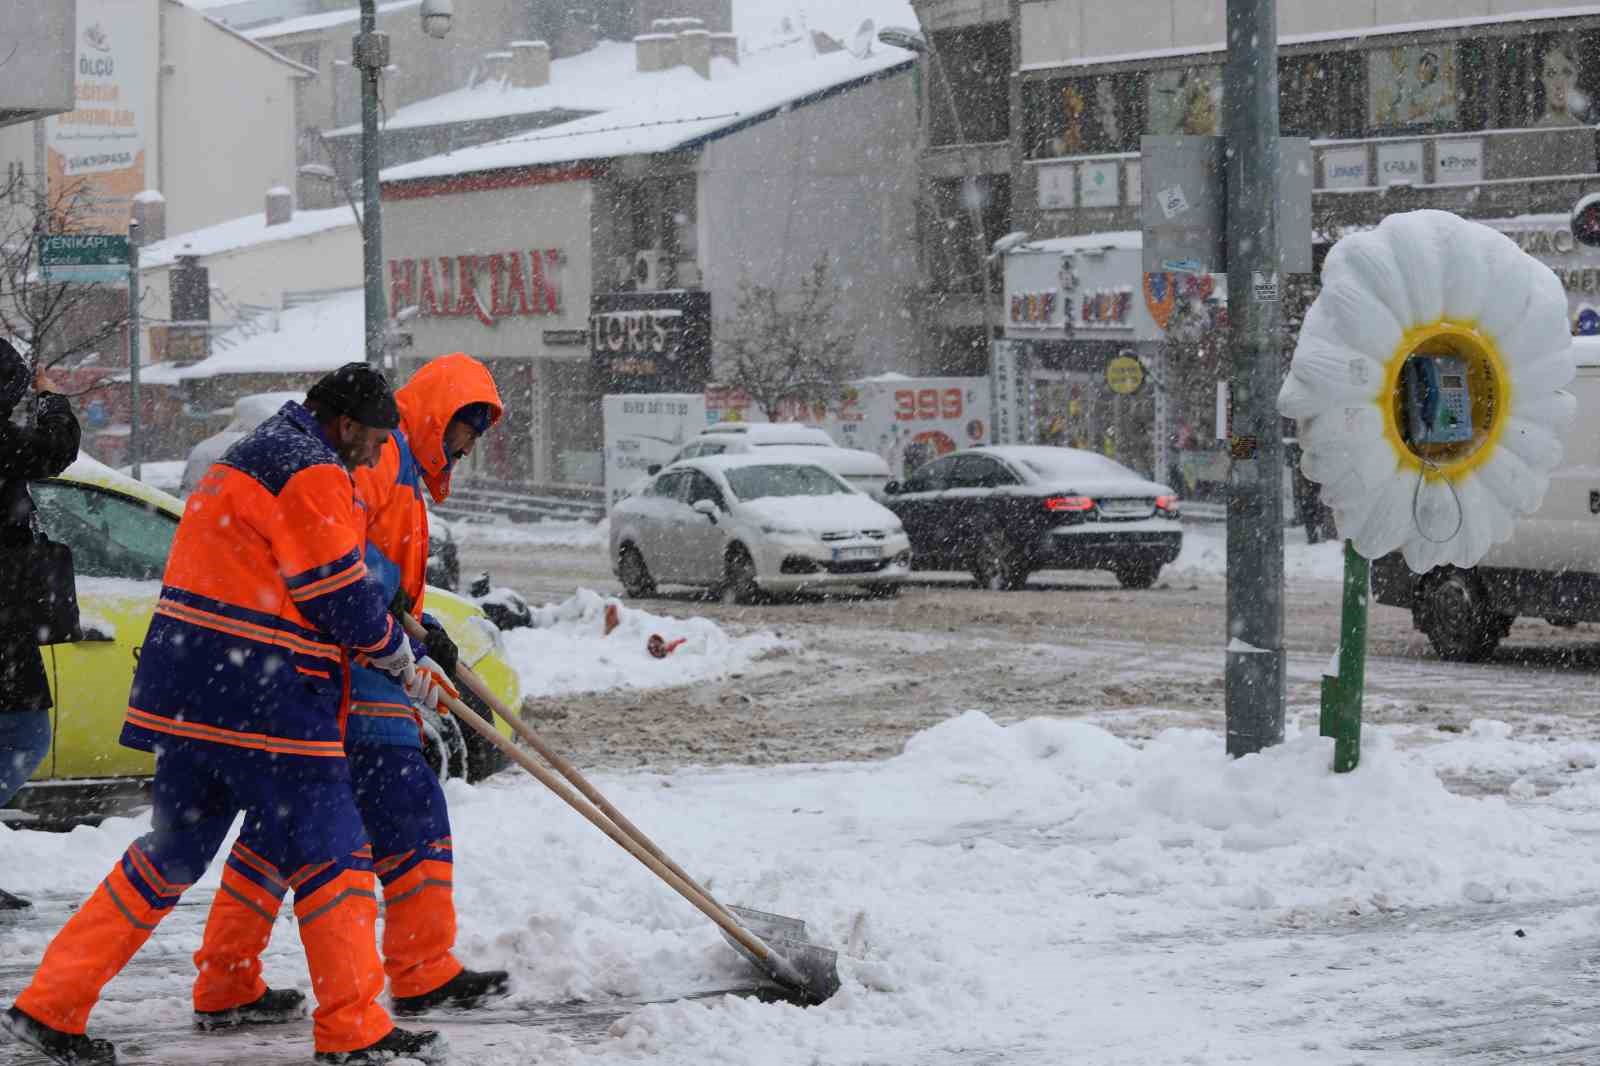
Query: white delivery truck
[[1550, 568]]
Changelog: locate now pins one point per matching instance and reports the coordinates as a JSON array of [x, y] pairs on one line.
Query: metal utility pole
[[1255, 658], [371, 54], [133, 349]]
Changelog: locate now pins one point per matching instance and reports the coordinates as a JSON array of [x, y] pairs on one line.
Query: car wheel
[[443, 746], [996, 563], [1453, 611], [1137, 575], [886, 590], [739, 583], [635, 575]]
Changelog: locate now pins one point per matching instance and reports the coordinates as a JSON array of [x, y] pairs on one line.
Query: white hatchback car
[[747, 524], [863, 470]]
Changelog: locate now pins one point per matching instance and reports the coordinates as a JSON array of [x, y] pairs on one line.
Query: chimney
[[655, 51], [280, 205], [725, 46], [188, 336], [530, 64], [497, 66], [694, 50], [150, 211]]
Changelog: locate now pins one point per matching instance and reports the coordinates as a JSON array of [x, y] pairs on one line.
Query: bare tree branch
[[63, 323], [777, 350]]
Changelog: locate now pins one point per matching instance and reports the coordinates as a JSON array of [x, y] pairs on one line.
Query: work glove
[[429, 684], [440, 647], [400, 664], [401, 604]]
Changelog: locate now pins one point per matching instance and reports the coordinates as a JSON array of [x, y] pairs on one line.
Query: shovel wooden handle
[[564, 767], [659, 865]]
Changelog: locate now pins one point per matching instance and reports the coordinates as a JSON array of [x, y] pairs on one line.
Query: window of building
[[955, 251], [977, 62], [1186, 101], [1082, 116], [1321, 95]]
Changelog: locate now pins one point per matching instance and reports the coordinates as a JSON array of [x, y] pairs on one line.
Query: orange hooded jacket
[[397, 518]]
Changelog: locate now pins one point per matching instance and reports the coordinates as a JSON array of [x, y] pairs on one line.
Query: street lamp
[[370, 55], [913, 41], [436, 17]]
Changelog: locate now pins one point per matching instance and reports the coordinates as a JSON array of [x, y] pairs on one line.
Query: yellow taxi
[[120, 531]]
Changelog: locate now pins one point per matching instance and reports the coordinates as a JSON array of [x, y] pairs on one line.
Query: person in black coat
[[43, 448]]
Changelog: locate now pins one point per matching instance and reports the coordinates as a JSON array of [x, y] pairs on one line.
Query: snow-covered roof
[[1122, 240], [299, 68], [322, 20], [310, 337], [243, 232], [757, 20], [671, 109], [597, 80]]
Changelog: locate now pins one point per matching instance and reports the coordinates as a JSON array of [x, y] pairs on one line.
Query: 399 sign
[[928, 405]]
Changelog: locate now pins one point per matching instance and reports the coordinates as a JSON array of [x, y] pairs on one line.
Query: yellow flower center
[[1486, 380]]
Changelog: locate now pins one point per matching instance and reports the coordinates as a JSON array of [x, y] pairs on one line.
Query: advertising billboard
[[95, 153]]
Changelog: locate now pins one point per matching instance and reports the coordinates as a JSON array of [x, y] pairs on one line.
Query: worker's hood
[[431, 399]]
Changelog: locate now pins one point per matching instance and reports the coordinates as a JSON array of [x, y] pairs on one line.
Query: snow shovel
[[809, 970]]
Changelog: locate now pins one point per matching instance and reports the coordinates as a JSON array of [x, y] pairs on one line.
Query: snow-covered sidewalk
[[1040, 893]]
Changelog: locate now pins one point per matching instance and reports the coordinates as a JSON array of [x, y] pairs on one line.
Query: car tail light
[[1069, 503], [1168, 504]]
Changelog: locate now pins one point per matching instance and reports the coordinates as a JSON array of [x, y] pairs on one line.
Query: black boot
[[465, 990], [8, 902], [428, 1047], [276, 1006], [68, 1049]]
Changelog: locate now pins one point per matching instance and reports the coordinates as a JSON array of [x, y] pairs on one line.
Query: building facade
[[1482, 107], [601, 255]]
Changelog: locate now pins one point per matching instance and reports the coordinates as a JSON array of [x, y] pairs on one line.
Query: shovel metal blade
[[817, 966]]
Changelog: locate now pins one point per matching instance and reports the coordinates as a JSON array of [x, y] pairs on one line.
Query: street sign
[[1125, 375], [61, 249], [1185, 205], [84, 257]]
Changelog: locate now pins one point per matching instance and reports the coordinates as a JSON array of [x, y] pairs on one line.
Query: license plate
[[856, 555], [1125, 507]]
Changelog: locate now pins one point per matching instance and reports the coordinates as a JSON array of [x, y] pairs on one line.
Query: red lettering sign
[[486, 287]]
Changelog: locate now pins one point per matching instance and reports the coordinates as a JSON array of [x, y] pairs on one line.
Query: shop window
[[1321, 95], [1082, 116], [956, 253], [976, 60]]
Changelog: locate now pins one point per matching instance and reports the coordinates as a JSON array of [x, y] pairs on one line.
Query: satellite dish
[[861, 47]]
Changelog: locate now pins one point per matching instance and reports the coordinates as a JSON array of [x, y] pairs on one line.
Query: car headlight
[[783, 531]]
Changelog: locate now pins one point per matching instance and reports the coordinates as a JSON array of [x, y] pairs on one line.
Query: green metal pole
[[1341, 696]]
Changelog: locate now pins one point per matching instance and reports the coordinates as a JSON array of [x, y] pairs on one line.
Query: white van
[[799, 442], [1550, 568]]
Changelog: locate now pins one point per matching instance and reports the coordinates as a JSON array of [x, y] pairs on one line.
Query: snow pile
[[1205, 554], [999, 887], [551, 533], [308, 338], [568, 650]]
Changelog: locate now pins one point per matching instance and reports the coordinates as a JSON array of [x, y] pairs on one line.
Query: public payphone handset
[[1437, 401]]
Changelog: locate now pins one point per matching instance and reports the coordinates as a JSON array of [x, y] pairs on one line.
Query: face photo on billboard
[[1186, 102], [1555, 86], [1413, 85]]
